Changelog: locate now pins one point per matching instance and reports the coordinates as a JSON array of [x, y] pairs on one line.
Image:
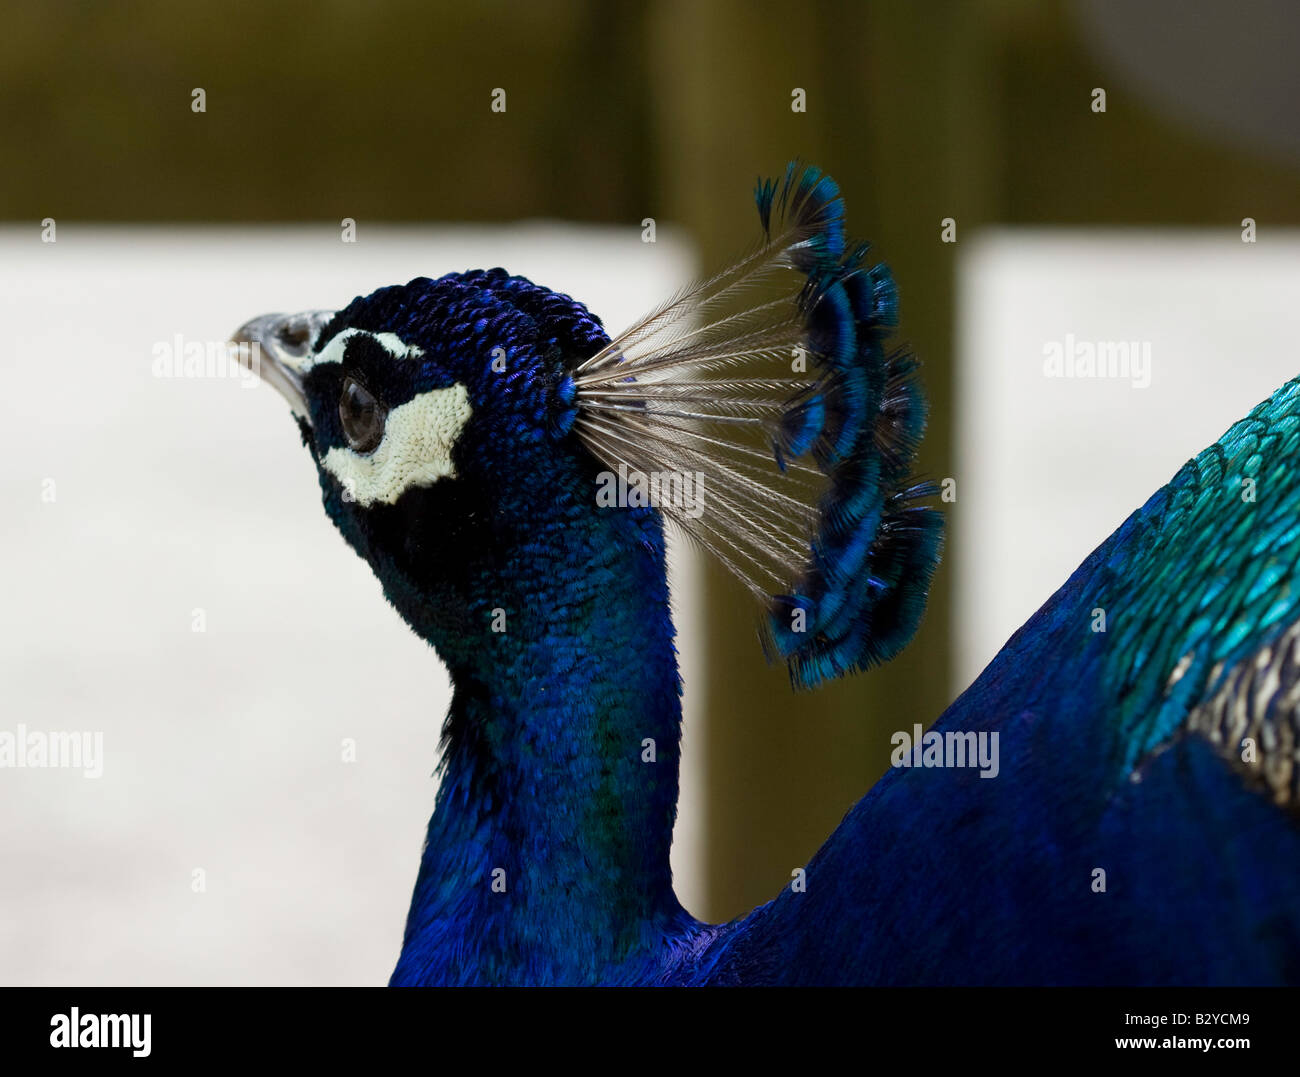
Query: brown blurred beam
[[898, 100]]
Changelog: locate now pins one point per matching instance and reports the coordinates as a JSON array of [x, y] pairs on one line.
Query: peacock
[[1110, 806]]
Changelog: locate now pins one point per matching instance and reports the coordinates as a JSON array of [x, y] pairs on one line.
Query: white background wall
[[223, 748], [1047, 468]]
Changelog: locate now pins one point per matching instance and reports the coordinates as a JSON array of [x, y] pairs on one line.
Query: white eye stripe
[[415, 451], [333, 351]]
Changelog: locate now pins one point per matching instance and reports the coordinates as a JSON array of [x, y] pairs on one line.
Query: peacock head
[[437, 414], [477, 432]]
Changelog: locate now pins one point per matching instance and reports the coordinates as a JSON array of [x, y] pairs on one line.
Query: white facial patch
[[418, 436], [415, 451], [333, 351]]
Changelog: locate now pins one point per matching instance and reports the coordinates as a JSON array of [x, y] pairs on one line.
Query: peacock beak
[[278, 349]]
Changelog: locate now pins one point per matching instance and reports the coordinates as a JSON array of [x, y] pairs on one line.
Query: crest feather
[[768, 388]]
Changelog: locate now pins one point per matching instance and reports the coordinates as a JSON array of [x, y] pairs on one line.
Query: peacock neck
[[548, 852]]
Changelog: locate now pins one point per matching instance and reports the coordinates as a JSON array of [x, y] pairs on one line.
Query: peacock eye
[[362, 416]]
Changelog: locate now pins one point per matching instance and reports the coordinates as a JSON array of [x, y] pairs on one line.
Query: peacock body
[[507, 470]]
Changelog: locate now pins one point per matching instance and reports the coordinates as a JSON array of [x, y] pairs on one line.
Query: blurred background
[[968, 139]]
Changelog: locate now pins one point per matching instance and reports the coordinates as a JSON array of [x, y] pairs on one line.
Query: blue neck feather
[[547, 853]]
